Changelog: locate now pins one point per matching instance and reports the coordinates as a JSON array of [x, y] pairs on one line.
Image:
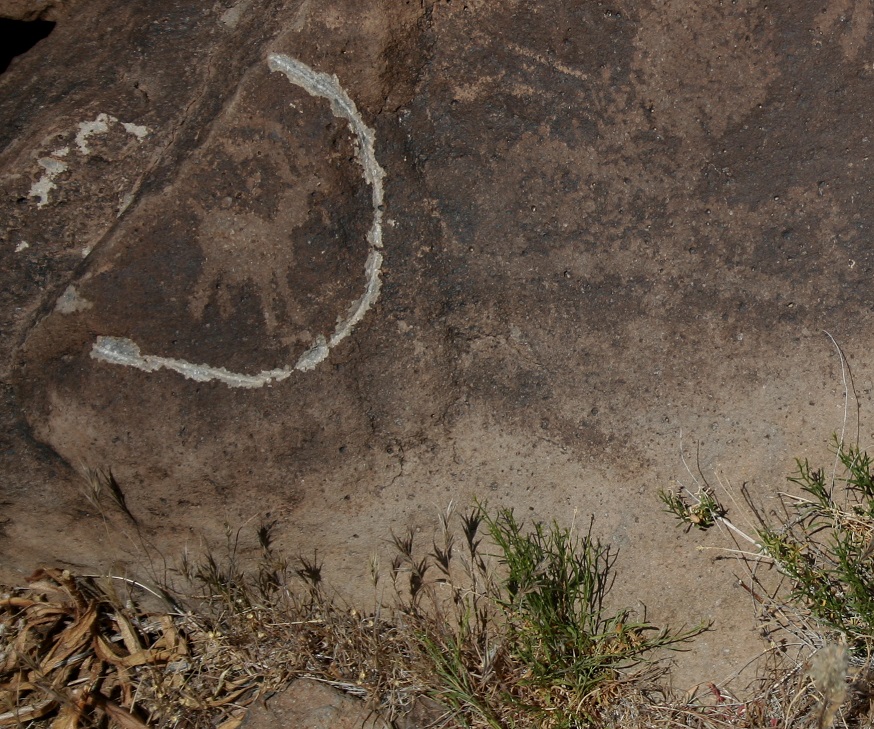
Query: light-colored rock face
[[608, 234]]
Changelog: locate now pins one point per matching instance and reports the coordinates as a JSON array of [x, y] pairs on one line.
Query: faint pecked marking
[[122, 351]]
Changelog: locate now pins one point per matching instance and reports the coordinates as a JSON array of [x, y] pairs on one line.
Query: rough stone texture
[[612, 230], [307, 704], [29, 10]]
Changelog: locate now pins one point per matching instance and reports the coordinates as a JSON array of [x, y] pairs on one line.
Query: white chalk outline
[[122, 351]]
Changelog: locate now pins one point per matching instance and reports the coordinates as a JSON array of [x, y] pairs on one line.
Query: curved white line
[[122, 351]]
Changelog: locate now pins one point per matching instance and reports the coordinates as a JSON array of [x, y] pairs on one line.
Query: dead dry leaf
[[74, 639], [68, 717], [61, 583], [26, 713], [233, 721], [17, 602], [171, 638], [128, 635], [18, 684], [229, 698], [146, 657], [121, 716], [104, 650]]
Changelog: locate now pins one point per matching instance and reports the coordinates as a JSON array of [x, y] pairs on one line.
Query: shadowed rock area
[[610, 231]]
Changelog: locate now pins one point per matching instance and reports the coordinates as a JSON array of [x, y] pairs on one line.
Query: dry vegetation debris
[[496, 624]]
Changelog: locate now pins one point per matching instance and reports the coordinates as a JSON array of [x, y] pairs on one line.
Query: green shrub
[[823, 543], [535, 644], [826, 546]]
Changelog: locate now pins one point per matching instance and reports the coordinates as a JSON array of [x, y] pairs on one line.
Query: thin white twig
[[739, 532], [688, 470], [128, 580], [846, 405]]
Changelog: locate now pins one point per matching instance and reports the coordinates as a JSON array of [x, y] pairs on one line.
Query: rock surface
[[610, 231], [30, 10], [308, 704]]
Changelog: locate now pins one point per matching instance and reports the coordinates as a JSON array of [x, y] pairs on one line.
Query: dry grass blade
[[117, 495], [99, 482], [93, 487], [128, 634], [516, 635], [233, 722]]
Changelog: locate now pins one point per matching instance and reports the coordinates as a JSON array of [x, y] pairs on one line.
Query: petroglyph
[[122, 351], [851, 19], [243, 247], [328, 87], [713, 56]]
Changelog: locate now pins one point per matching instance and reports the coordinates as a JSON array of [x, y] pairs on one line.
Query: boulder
[[332, 265]]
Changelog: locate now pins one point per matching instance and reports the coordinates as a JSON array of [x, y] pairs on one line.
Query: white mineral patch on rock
[[88, 128], [100, 125], [232, 16], [124, 204], [54, 164], [70, 302], [136, 130], [45, 184]]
